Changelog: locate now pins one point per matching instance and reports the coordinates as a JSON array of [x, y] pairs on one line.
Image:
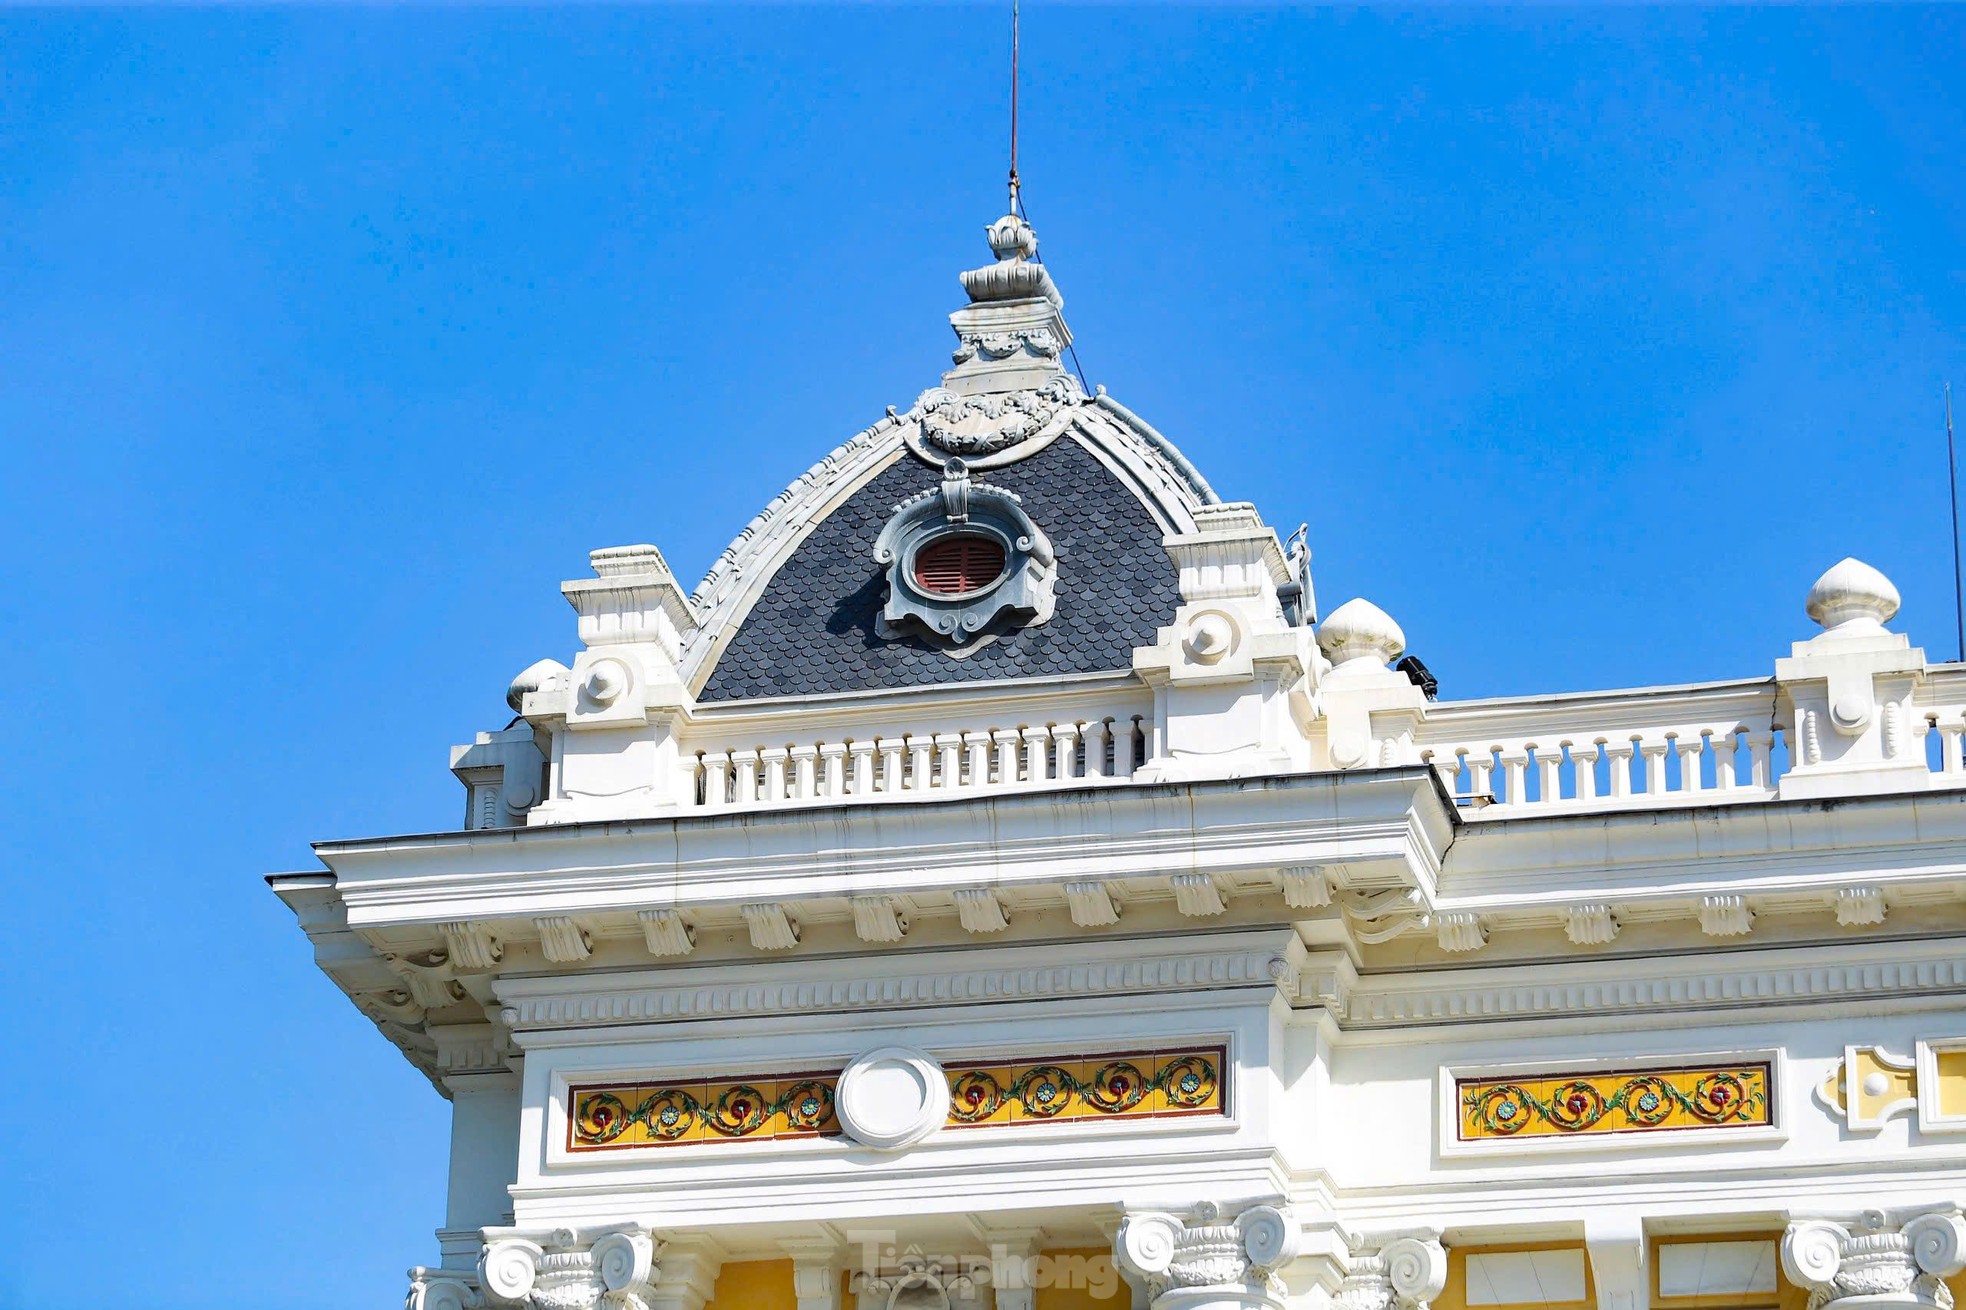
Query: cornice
[[1883, 969], [1390, 824], [1776, 845], [1256, 959]]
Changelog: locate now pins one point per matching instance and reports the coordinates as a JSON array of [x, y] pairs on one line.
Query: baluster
[[949, 766], [1949, 745], [1761, 758], [921, 766], [1037, 742], [1689, 750], [716, 778], [1620, 755], [1583, 764], [804, 780], [1479, 768], [1067, 737], [1126, 746], [977, 744], [1515, 774], [775, 758], [1724, 748], [863, 766], [1006, 742], [1655, 765], [745, 762], [890, 748], [1549, 785], [1096, 737], [1447, 763], [833, 775]]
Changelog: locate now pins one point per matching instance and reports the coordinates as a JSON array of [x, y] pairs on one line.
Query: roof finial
[[1014, 184]]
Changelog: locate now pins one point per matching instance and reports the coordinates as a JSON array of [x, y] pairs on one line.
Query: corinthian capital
[[562, 1269], [1881, 1261], [1206, 1261], [1401, 1273]]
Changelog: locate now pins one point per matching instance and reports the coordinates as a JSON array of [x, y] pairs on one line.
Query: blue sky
[[331, 340]]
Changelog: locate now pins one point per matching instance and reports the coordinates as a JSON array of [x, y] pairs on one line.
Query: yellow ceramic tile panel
[[1587, 1102], [1454, 1296], [615, 1117], [1951, 1091], [1125, 1085], [754, 1285]]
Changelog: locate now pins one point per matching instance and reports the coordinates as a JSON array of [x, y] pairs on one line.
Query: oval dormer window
[[959, 564]]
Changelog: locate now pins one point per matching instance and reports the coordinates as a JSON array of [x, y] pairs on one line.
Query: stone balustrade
[[919, 764]]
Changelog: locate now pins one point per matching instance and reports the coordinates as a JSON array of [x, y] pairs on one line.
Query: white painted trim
[[1926, 1054]]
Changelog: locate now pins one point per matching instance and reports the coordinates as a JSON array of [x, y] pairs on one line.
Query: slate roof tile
[[812, 630]]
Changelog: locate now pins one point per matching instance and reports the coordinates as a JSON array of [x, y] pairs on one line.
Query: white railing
[[1699, 744], [921, 764]]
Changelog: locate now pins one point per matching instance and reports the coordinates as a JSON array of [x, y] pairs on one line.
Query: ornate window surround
[[959, 623]]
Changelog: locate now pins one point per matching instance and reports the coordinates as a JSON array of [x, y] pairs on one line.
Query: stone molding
[[1800, 975], [1880, 1260], [1270, 960]]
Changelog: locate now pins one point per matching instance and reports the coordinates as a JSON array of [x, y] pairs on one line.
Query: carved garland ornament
[[975, 427], [1139, 1085], [1730, 1096]]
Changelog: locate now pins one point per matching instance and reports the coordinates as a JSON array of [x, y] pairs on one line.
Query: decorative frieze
[[978, 1094], [1588, 1102], [1879, 1261], [666, 1114], [1142, 1085]]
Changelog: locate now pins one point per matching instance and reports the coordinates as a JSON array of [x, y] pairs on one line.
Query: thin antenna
[[1013, 105], [1952, 483]]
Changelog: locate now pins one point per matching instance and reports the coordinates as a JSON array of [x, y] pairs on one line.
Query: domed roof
[[820, 595]]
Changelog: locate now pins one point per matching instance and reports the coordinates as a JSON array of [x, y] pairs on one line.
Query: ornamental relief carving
[[994, 429], [1881, 1260]]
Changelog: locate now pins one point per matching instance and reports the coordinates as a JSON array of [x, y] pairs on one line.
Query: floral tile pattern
[[1579, 1103]]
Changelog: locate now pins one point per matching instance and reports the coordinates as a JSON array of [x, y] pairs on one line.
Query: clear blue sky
[[331, 341]]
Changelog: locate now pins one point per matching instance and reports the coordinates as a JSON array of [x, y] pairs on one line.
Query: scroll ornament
[[1880, 1262], [616, 1272], [1203, 1261]]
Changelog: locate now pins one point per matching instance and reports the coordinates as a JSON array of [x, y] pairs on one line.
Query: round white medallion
[[892, 1098]]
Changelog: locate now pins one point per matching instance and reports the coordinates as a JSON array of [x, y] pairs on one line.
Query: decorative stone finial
[[1852, 595], [1360, 630], [1012, 238], [1013, 276]]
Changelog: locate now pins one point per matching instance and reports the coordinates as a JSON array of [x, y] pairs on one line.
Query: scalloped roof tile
[[812, 629]]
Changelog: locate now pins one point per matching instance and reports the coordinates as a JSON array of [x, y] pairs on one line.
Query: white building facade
[[997, 885]]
